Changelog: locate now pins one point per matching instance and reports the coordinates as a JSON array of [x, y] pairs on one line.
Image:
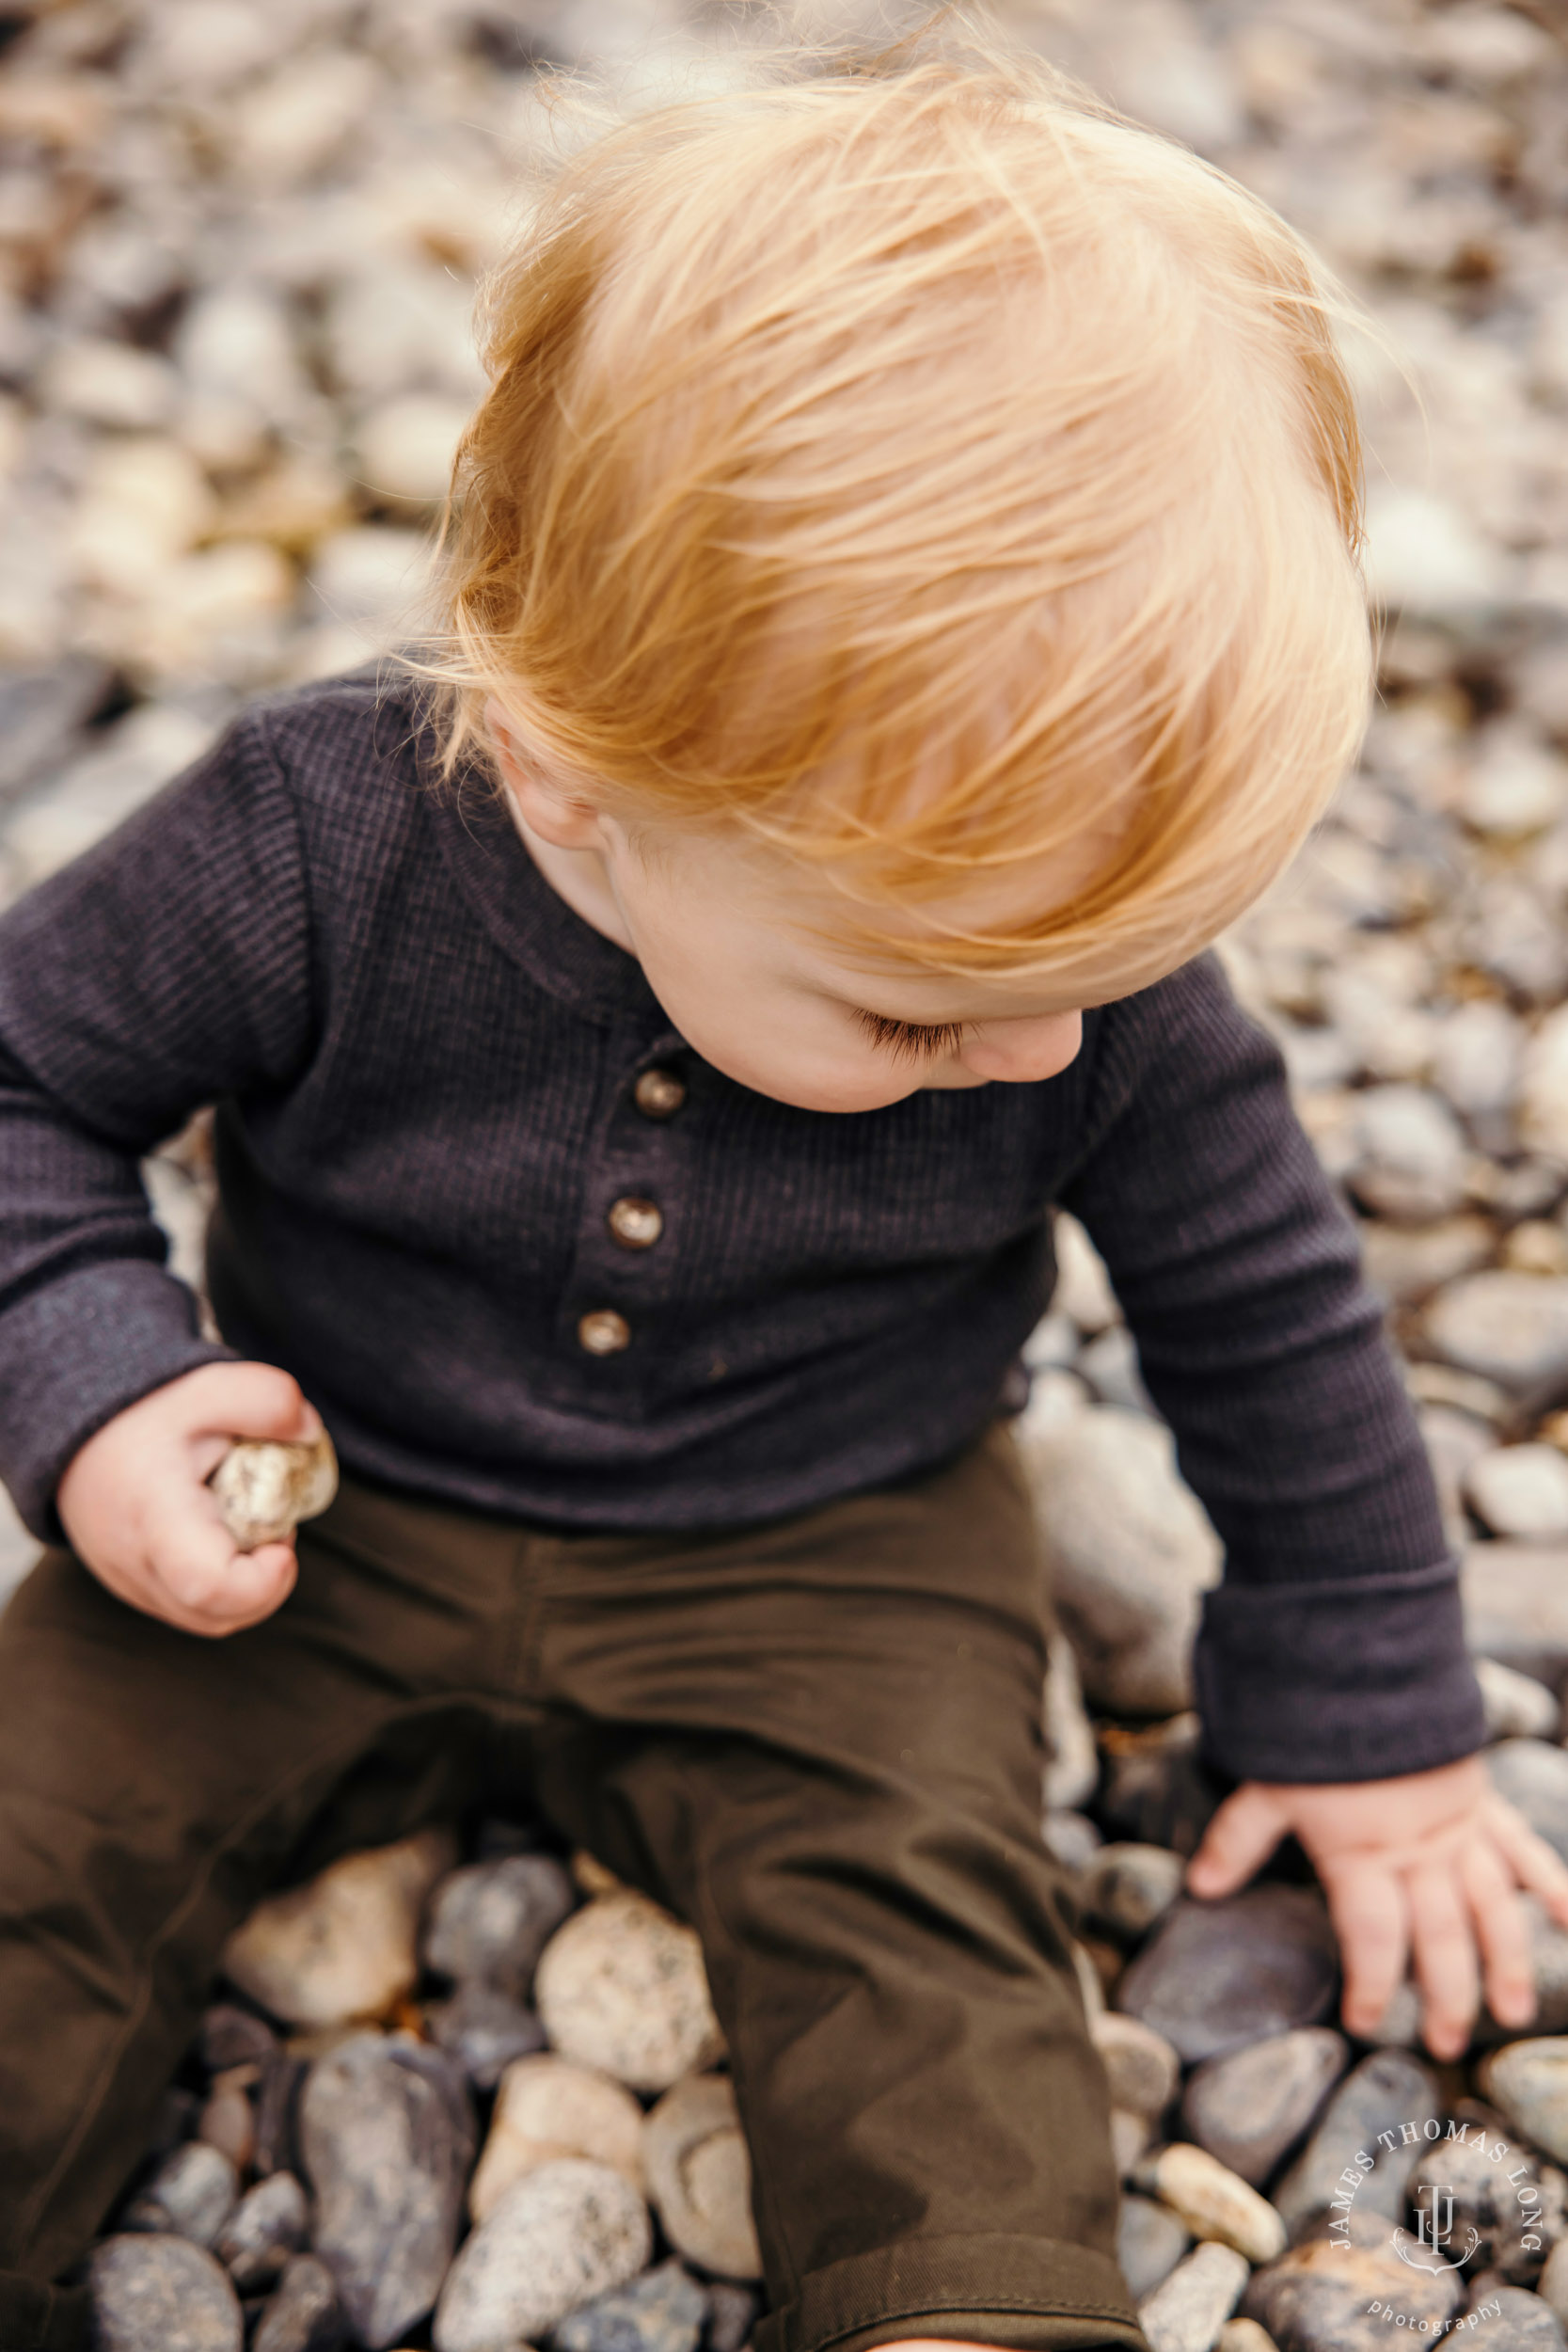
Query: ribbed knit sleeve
[[1334, 1649], [166, 968]]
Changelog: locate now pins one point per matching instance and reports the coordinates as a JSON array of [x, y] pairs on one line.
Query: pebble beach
[[472, 2095]]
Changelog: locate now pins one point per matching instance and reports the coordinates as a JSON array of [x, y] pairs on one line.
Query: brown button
[[603, 1332], [658, 1094], [636, 1224]]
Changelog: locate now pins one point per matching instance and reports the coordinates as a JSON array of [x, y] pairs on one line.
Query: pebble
[[191, 2194], [1215, 1976], [1386, 2089], [700, 2176], [1510, 1327], [547, 2108], [1072, 1765], [265, 1487], [161, 2295], [558, 2238], [344, 1945], [1475, 1060], [1521, 1490], [1150, 2241], [1543, 1086], [1250, 2109], [1533, 1775], [1412, 1161], [1516, 1607], [483, 2030], [1528, 2082], [270, 2222], [1186, 2311], [621, 1988], [406, 446], [388, 2139], [1142, 2069], [1244, 2335], [1082, 1289], [663, 2310], [1214, 2202], [1072, 1837], [227, 2120], [1552, 2287], [1128, 1887], [1483, 2194], [1328, 2295], [1523, 2322], [1132, 2137], [1517, 1706], [305, 2314], [489, 1923], [1130, 1554], [1405, 1263]]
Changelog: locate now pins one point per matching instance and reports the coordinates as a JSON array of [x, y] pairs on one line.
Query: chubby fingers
[[1534, 1864], [1238, 1841], [208, 1586], [1502, 1930], [228, 1400], [1366, 1903], [1443, 1945]]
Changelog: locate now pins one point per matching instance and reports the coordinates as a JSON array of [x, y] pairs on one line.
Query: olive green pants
[[818, 1742]]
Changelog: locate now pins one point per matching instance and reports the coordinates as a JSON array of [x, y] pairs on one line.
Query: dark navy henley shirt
[[427, 1069]]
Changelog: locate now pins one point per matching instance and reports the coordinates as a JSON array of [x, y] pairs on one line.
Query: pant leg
[[820, 1742], [153, 1785]]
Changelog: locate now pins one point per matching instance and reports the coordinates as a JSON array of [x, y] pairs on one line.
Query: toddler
[[901, 603]]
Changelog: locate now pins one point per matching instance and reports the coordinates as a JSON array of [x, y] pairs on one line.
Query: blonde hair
[[912, 464]]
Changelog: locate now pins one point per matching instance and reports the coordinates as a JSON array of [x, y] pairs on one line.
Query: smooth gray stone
[[192, 2193], [1523, 2322], [1484, 2195], [1516, 1607], [661, 2311], [483, 2029], [1150, 2241], [1072, 1837], [1250, 2109], [1326, 2295], [305, 2314], [1533, 1775], [270, 2222], [161, 2295], [1215, 1976], [557, 2237], [387, 2137], [1128, 1887], [490, 1921], [1386, 2091]]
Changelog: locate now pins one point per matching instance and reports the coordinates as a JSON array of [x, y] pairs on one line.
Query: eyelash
[[909, 1039]]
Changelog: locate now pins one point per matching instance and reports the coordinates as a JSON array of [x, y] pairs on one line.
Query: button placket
[[626, 1264]]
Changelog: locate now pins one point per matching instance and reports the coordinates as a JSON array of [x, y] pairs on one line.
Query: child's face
[[724, 934]]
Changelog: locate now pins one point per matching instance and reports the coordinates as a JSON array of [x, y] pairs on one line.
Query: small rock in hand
[[265, 1487]]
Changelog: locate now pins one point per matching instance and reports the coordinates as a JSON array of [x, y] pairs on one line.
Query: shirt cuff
[[75, 1354], [1358, 1678]]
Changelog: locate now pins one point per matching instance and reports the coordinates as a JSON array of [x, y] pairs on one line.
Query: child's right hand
[[138, 1511]]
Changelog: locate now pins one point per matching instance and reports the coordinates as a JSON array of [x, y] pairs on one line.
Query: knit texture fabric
[[424, 1065]]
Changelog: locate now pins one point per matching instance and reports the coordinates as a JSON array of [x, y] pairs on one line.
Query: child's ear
[[549, 806]]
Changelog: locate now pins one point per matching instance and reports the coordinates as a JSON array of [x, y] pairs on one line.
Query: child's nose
[[1018, 1052]]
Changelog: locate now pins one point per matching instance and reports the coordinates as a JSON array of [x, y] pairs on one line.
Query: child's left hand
[[1428, 1865]]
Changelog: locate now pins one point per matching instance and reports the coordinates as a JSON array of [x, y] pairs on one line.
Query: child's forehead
[[810, 928]]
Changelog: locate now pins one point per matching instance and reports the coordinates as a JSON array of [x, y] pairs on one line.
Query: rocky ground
[[237, 245]]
